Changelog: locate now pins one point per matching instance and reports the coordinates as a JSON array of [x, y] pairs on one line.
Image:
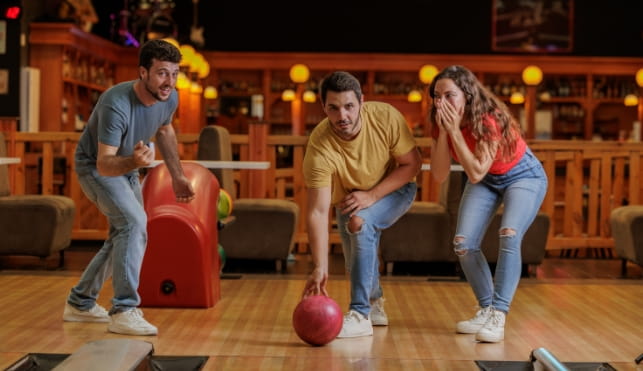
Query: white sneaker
[[96, 314], [378, 315], [131, 322], [494, 330], [473, 325], [355, 325]]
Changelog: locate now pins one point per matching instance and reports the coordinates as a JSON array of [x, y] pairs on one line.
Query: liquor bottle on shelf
[[64, 116], [66, 70]]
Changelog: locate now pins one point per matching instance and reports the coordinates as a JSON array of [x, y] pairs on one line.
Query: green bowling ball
[[224, 204]]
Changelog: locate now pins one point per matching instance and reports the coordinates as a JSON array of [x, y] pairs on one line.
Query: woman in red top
[[472, 127]]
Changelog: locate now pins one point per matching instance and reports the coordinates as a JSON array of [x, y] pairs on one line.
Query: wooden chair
[[33, 225]]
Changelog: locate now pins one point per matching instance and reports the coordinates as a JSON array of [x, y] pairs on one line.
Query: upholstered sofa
[[33, 225], [425, 233], [627, 230], [534, 242]]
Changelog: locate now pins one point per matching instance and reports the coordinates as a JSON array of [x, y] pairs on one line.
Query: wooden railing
[[586, 181]]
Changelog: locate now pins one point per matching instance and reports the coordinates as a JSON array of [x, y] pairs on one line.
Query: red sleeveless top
[[499, 166]]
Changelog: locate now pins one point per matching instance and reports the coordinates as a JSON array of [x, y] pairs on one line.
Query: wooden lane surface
[[250, 328]]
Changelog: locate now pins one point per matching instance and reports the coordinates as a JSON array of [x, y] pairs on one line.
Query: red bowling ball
[[317, 320]]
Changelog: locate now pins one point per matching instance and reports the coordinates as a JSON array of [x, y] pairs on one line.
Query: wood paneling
[[586, 181]]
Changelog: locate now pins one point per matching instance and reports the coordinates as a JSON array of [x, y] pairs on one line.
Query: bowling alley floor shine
[[578, 309]]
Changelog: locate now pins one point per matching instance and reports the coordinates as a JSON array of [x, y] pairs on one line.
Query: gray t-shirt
[[119, 119]]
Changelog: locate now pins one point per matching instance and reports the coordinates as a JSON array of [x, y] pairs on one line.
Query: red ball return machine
[[181, 263]]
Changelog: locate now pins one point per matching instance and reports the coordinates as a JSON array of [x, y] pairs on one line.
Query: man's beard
[[153, 93]]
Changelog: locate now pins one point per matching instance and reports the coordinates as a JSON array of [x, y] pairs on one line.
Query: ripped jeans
[[361, 248], [521, 190]]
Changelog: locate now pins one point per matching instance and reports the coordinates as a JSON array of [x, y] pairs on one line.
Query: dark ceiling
[[606, 28]]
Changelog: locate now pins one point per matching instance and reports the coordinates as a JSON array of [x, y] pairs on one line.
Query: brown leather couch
[[33, 225], [534, 243], [424, 233], [627, 229]]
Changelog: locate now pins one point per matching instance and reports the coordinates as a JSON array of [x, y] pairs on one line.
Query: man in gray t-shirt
[[113, 146]]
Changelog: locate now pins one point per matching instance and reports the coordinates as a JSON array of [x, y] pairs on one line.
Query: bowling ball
[[317, 320], [224, 204]]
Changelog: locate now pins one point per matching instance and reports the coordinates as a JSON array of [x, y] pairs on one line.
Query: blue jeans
[[120, 199], [522, 191], [361, 248]]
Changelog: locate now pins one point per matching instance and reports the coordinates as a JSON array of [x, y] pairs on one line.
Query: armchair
[[263, 229], [425, 232], [627, 229], [33, 225]]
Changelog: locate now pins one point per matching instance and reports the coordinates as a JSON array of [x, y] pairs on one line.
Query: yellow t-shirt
[[363, 162]]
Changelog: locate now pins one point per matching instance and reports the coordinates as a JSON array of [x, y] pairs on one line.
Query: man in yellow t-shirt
[[362, 159]]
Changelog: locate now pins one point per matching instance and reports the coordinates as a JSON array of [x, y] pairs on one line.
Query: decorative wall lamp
[[531, 76], [182, 81], [414, 96], [631, 100], [196, 88], [299, 74], [187, 53], [193, 64], [426, 74], [517, 98], [309, 96], [194, 69], [199, 68], [288, 95], [639, 77], [210, 92]]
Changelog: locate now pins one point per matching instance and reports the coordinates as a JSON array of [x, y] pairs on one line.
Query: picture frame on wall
[[532, 26]]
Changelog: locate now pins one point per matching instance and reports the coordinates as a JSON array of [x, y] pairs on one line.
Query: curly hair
[[160, 50], [481, 103]]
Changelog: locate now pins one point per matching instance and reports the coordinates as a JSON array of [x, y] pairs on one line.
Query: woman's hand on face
[[440, 116], [450, 117]]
